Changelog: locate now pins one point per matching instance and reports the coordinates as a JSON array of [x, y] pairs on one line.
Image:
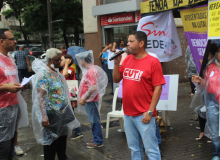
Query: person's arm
[[100, 56], [105, 49], [28, 62], [114, 47], [13, 88], [66, 67], [116, 73], [156, 96], [41, 96]]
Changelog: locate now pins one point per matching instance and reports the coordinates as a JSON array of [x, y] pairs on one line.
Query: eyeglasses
[[11, 39]]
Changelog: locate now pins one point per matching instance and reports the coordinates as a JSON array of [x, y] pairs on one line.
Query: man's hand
[[14, 87], [114, 44], [146, 118], [82, 102], [45, 123], [30, 68], [117, 60]]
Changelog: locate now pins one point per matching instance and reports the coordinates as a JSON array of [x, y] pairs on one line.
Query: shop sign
[[214, 20], [163, 5], [118, 18], [195, 24], [162, 36]]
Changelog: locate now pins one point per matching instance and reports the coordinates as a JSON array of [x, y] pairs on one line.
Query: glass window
[[118, 33], [113, 1]]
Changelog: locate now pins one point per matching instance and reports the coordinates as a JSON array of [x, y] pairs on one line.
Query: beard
[[10, 47]]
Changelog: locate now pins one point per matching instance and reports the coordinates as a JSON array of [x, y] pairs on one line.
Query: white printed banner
[[162, 36]]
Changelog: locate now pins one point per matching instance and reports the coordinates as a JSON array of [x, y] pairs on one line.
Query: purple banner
[[197, 44], [165, 92]]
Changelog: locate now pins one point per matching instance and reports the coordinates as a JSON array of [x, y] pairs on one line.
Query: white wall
[[89, 22]]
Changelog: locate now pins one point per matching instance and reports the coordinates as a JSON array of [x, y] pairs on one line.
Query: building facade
[[107, 21]]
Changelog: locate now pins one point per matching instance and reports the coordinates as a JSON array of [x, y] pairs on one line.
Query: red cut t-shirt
[[89, 79], [8, 73], [71, 75], [140, 76]]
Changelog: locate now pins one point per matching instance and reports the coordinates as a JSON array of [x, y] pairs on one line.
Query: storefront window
[[113, 1], [118, 33]]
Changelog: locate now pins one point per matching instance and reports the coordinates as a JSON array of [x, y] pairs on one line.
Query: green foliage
[[17, 35], [8, 13]]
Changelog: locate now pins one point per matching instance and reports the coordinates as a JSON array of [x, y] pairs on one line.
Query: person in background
[[22, 61], [100, 57], [211, 84], [121, 45], [69, 73], [110, 49], [92, 88], [104, 58], [191, 68], [63, 50], [146, 81]]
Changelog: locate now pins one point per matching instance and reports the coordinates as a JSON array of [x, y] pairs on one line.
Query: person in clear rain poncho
[[13, 108], [52, 115], [91, 89], [211, 85]]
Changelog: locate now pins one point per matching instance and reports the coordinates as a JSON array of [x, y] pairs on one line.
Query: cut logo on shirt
[[132, 74]]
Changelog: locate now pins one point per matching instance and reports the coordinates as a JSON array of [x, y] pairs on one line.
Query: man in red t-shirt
[[8, 94], [142, 85]]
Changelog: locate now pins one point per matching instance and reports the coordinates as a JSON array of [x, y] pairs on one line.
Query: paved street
[[180, 143]]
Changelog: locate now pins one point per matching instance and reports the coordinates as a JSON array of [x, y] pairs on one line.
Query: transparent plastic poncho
[[211, 85], [11, 104], [51, 103], [93, 83], [191, 67]]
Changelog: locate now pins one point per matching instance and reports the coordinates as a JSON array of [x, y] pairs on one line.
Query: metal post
[[50, 27]]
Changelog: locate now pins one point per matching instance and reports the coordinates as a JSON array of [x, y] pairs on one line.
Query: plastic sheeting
[[94, 81], [11, 104], [211, 85], [51, 102], [191, 67], [75, 50]]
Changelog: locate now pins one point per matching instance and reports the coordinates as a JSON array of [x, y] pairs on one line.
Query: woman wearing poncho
[[211, 85], [52, 116]]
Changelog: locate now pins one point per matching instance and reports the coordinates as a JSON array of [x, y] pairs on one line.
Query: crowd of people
[[53, 117]]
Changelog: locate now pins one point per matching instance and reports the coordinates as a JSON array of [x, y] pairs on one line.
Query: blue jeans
[[110, 77], [77, 130], [212, 112], [158, 134], [22, 73], [94, 118], [136, 131]]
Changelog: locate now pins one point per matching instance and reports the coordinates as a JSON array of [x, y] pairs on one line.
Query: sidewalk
[[180, 143]]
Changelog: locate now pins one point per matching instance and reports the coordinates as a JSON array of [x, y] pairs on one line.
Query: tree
[[17, 35], [35, 17], [16, 9]]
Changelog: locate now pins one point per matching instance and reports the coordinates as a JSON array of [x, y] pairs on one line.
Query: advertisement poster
[[195, 24]]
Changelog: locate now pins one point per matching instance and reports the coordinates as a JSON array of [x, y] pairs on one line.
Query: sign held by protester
[[163, 5], [168, 97], [195, 24], [214, 20], [162, 36]]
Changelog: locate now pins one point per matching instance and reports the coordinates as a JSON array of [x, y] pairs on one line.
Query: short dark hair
[[140, 36], [67, 56], [213, 48], [2, 32]]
